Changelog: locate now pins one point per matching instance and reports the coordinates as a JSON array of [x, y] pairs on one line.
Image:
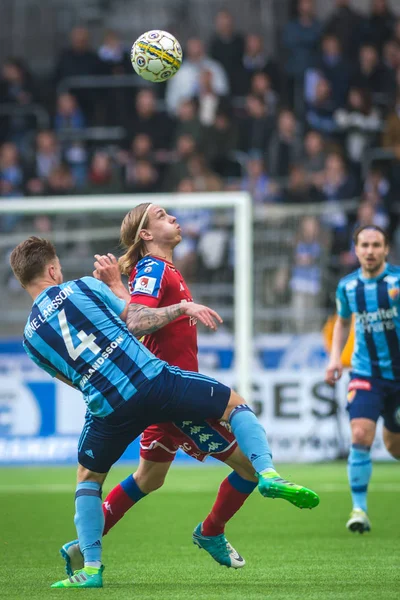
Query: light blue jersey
[[376, 306], [74, 330]]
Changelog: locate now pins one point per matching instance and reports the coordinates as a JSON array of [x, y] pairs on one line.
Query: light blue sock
[[251, 437], [89, 520], [359, 470]]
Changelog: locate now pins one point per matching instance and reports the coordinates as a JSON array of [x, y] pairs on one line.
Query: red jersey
[[155, 282]]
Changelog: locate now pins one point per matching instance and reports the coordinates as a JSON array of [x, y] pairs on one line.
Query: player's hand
[[333, 372], [205, 315], [106, 269]]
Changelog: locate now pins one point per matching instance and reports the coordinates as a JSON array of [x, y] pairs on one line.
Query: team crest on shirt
[[145, 285], [394, 293], [351, 395], [397, 415]]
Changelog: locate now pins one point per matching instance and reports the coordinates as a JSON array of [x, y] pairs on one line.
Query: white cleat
[[358, 521]]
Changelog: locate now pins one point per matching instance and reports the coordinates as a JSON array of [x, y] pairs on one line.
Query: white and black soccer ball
[[156, 55]]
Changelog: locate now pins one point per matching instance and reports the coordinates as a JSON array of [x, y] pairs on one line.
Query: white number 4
[[87, 341]]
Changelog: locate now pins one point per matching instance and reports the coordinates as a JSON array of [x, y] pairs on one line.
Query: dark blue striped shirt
[[74, 330]]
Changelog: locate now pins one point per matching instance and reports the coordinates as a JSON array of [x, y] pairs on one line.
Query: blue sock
[[359, 470], [244, 486], [89, 520], [251, 437], [132, 489]]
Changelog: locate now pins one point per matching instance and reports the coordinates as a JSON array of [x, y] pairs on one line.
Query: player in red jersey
[[150, 235]]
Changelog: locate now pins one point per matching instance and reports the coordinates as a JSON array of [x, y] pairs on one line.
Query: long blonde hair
[[136, 220]]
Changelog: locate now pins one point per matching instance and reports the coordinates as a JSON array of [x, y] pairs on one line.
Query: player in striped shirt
[[150, 236], [372, 294], [76, 332]]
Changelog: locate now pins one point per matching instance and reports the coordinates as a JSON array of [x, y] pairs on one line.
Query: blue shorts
[[372, 397], [173, 395]]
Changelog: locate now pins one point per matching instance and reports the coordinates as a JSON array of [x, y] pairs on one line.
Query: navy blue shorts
[[174, 395], [372, 397]]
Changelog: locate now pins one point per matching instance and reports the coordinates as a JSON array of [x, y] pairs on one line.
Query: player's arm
[[106, 269], [341, 332], [65, 380], [143, 320]]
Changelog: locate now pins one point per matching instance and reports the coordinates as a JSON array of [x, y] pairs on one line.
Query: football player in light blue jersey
[[75, 333], [372, 294]]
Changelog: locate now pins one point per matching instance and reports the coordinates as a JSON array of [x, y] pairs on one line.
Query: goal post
[[238, 202]]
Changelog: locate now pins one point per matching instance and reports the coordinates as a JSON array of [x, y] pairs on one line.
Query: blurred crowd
[[320, 124]]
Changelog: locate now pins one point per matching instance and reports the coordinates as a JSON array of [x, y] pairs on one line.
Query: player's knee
[[149, 482], [393, 447], [361, 435], [84, 474]]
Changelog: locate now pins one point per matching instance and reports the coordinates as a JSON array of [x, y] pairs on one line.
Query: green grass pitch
[[290, 554]]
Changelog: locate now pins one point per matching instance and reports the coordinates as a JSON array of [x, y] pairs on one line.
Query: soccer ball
[[156, 55]]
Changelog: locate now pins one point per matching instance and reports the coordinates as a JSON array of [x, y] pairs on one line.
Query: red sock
[[115, 506], [228, 501]]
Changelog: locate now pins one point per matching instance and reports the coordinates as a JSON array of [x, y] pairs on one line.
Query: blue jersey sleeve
[[41, 365], [149, 278], [342, 303], [103, 291]]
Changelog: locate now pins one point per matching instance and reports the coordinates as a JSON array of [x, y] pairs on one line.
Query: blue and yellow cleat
[[73, 557], [219, 548], [271, 485], [88, 577]]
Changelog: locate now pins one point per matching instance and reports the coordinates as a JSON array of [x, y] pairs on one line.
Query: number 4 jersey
[[74, 331]]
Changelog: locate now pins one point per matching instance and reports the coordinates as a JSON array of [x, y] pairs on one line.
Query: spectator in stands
[[185, 83], [203, 178], [391, 134], [143, 178], [16, 88], [114, 55], [378, 190], [11, 172], [177, 170], [76, 60], [300, 189], [188, 122], [391, 62], [334, 68], [285, 145], [60, 182], [146, 119], [306, 276], [47, 156], [359, 123], [314, 155], [380, 23], [320, 109], [141, 149], [257, 181], [256, 126], [194, 222], [261, 86], [227, 47], [208, 101], [371, 74], [300, 39], [68, 113], [347, 25], [255, 61], [219, 143], [103, 178], [337, 184]]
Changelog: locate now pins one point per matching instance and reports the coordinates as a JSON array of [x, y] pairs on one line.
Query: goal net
[[215, 256]]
